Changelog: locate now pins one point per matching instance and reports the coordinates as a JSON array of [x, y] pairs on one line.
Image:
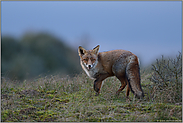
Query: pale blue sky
[[148, 29]]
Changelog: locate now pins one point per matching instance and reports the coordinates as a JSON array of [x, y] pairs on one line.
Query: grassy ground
[[57, 99]]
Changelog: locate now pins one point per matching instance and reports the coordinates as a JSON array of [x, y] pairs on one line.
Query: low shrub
[[167, 79]]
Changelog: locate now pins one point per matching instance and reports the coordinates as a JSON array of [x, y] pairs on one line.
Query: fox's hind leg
[[127, 90], [123, 85]]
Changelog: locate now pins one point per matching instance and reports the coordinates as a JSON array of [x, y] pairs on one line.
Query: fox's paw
[[96, 94], [96, 89], [127, 99], [117, 93]]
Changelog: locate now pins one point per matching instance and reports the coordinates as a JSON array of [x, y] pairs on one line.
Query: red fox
[[120, 63]]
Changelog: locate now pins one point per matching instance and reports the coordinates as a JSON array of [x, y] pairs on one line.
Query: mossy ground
[[58, 99]]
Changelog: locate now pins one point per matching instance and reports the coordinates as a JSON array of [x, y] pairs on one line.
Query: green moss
[[46, 116], [51, 92], [93, 119], [57, 95], [5, 114], [99, 119], [50, 96], [40, 113]]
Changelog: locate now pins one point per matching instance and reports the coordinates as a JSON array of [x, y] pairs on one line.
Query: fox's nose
[[89, 66]]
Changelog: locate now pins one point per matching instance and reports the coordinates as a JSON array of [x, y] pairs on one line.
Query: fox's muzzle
[[89, 66]]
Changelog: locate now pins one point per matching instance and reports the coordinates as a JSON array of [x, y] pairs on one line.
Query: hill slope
[[57, 99]]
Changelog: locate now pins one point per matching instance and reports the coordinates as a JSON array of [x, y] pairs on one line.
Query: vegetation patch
[[57, 99]]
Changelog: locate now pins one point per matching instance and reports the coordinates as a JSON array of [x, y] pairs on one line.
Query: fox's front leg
[[97, 86], [98, 83]]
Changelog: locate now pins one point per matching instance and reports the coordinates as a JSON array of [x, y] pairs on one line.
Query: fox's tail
[[133, 76]]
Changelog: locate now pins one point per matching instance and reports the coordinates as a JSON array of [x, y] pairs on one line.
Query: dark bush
[[37, 54], [167, 79]]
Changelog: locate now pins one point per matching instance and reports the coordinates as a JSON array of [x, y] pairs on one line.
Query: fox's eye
[[85, 59], [92, 59]]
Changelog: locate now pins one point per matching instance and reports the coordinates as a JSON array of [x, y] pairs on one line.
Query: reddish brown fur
[[120, 63]]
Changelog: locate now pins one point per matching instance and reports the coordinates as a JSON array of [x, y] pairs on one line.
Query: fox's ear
[[96, 49], [81, 51]]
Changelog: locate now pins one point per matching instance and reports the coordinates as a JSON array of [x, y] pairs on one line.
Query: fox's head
[[88, 58]]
